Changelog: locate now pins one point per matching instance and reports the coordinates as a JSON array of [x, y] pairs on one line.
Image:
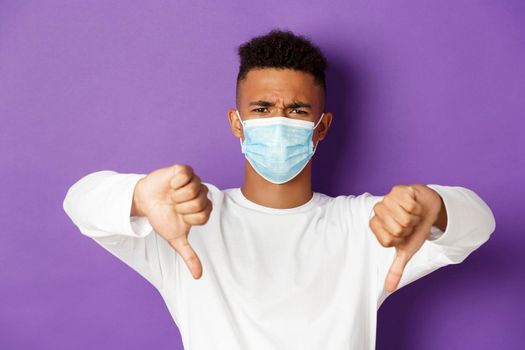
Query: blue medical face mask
[[278, 148]]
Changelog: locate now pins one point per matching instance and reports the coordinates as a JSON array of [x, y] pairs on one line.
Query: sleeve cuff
[[436, 235], [99, 204], [136, 226], [371, 212]]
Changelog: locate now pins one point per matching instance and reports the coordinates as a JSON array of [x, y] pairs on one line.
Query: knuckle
[[397, 188], [186, 176], [197, 218], [178, 181], [377, 207], [186, 170], [387, 241], [193, 206], [402, 233], [396, 232], [373, 223], [204, 214], [190, 219], [404, 221], [200, 217], [193, 191], [203, 193], [411, 206], [202, 205], [185, 167]]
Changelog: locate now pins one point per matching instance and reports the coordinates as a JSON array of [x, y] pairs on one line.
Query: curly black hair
[[282, 49]]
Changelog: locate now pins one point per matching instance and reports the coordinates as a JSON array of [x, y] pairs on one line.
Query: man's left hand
[[403, 219]]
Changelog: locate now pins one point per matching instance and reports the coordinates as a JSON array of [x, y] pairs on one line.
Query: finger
[[396, 270], [199, 218], [389, 223], [188, 192], [418, 237], [403, 218], [195, 205], [409, 202], [184, 249], [182, 174], [382, 235]]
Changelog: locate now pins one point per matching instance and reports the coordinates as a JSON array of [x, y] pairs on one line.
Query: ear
[[324, 125], [235, 123]]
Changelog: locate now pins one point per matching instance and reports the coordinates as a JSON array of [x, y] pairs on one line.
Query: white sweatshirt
[[309, 277]]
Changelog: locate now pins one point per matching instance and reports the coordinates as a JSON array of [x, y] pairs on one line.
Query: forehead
[[279, 85]]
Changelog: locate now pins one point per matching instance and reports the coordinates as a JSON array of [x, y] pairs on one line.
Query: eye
[[301, 112], [258, 110]]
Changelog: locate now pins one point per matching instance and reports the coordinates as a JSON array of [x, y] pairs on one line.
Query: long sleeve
[[99, 204], [470, 222]]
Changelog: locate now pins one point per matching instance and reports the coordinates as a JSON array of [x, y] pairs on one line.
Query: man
[[272, 264]]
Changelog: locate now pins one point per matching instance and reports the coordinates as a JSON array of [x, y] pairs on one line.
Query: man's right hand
[[173, 199]]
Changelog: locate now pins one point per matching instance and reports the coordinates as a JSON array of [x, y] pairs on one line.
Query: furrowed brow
[[263, 103], [298, 104], [295, 104]]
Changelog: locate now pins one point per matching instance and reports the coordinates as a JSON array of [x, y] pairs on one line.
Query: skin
[[402, 219], [173, 198]]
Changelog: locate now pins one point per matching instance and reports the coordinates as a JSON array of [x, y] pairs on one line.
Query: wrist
[[441, 221], [136, 206]]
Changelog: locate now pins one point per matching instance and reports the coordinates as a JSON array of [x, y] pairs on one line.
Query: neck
[[291, 194]]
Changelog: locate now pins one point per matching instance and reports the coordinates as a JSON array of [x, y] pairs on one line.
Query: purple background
[[421, 91]]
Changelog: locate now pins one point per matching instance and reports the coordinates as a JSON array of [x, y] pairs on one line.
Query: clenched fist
[[173, 199], [403, 219]]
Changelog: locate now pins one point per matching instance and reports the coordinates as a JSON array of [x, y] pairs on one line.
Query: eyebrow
[[294, 104]]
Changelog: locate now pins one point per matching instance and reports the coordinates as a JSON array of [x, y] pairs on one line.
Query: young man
[[272, 264]]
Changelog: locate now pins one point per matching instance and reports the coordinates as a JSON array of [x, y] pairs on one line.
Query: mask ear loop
[[315, 147], [239, 117]]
